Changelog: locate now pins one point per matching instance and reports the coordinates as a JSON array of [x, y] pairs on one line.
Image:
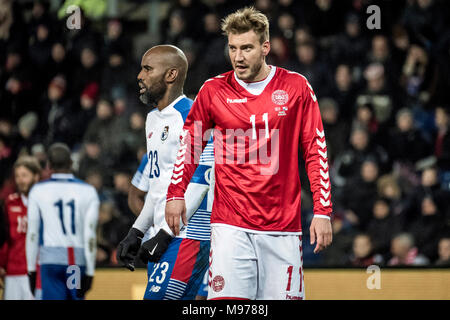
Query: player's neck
[[262, 74], [168, 98]]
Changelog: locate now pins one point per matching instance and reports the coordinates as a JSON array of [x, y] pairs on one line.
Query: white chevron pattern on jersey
[[325, 176]]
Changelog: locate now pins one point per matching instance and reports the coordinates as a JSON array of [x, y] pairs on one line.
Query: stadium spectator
[[363, 252], [427, 228], [360, 193], [404, 253], [111, 229], [383, 226], [55, 114], [343, 91], [442, 138], [444, 253], [308, 64], [350, 46], [406, 143], [122, 183], [338, 131], [389, 189], [377, 92], [347, 164]]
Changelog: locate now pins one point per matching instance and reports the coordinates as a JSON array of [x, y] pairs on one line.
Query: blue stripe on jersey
[[183, 106], [74, 180], [200, 175], [41, 229], [143, 163], [138, 174]]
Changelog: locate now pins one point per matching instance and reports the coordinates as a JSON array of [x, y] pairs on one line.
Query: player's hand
[[129, 247], [174, 210], [153, 249], [320, 231], [86, 284], [32, 281]]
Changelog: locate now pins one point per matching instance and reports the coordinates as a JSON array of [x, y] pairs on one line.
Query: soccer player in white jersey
[[62, 222], [262, 115], [176, 265]]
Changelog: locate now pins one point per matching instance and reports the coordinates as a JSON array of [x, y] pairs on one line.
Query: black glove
[[86, 283], [32, 279], [129, 247], [153, 249]]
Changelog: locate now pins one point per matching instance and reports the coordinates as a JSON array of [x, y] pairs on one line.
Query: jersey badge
[[165, 133], [280, 97], [282, 111]]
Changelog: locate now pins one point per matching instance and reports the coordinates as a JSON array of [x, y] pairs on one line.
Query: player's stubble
[[151, 96]]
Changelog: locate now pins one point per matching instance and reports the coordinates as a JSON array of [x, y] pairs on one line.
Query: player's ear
[[171, 75], [266, 48]]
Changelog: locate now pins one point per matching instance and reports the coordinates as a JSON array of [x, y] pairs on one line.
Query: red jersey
[[12, 254], [258, 135]]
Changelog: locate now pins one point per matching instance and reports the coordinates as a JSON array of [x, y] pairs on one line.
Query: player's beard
[[254, 71], [151, 96], [24, 188]]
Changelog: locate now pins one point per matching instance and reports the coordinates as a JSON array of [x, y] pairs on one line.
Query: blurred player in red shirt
[[261, 115], [12, 254]]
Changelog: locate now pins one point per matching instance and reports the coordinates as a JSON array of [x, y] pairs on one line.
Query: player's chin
[[243, 73]]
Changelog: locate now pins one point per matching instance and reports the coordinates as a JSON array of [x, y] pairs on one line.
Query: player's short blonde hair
[[29, 162], [247, 19]]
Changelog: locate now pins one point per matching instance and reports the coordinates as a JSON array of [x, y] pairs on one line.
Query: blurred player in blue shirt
[[62, 222]]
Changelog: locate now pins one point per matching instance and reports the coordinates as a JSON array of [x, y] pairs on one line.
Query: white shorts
[[17, 288], [256, 266]]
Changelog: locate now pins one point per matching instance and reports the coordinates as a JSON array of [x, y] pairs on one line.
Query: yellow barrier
[[325, 284]]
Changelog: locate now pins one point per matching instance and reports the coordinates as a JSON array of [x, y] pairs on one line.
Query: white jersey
[[62, 222], [163, 129]]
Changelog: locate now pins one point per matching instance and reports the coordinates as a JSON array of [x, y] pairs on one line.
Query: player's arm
[[32, 237], [89, 242], [139, 187], [129, 247], [4, 225], [192, 142], [314, 151], [136, 199]]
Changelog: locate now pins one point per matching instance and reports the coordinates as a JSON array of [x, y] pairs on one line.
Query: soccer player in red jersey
[[261, 115], [12, 254]]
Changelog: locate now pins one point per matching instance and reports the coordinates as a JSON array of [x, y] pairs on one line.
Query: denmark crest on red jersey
[[280, 97]]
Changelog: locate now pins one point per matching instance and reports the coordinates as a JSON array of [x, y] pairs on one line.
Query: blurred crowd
[[384, 98]]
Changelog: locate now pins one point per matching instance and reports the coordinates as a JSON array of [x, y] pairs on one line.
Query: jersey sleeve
[[32, 237], [146, 217], [90, 227], [140, 178], [201, 180], [314, 151], [192, 143]]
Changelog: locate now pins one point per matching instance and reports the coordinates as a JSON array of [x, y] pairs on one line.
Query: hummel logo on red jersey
[[244, 100], [15, 209]]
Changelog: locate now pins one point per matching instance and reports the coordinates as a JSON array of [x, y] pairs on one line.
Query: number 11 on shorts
[[290, 270]]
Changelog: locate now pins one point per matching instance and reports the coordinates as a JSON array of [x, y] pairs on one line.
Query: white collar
[[256, 88], [62, 176]]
